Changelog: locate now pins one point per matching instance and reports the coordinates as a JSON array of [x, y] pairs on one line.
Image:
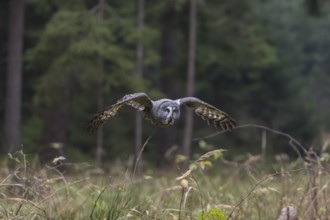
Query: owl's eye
[[167, 110]]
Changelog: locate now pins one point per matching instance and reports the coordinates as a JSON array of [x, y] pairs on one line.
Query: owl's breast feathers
[[155, 120]]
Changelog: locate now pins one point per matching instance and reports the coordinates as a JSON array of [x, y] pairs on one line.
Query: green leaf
[[212, 214], [325, 157], [180, 158], [204, 164]]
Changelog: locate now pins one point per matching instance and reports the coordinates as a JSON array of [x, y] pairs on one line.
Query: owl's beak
[[169, 117], [170, 121]]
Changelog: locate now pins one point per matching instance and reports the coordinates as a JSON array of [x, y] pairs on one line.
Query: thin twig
[[181, 201], [139, 155], [95, 202], [250, 192], [292, 141], [21, 200], [62, 177], [200, 193], [21, 204], [5, 210], [186, 196], [25, 180], [5, 179], [59, 189]]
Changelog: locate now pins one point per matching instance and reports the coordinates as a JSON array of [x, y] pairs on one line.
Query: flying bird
[[164, 112]]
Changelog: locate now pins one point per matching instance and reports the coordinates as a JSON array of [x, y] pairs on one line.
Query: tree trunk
[[169, 57], [139, 71], [12, 122], [313, 7], [99, 135], [188, 128]]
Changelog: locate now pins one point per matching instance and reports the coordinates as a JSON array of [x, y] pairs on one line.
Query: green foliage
[[212, 214], [114, 203], [70, 51], [256, 65], [78, 48], [325, 157], [202, 161], [31, 133]]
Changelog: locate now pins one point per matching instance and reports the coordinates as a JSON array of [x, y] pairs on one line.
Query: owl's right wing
[[140, 101]]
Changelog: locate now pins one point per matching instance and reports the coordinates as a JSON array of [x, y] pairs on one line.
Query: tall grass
[[209, 190]]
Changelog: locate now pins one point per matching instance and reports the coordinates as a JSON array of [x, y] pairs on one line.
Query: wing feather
[[212, 115], [140, 101]]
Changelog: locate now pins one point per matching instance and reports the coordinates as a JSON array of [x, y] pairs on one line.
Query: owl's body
[[164, 112]]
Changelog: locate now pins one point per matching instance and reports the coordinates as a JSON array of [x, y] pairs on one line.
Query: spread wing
[[140, 101], [209, 113]]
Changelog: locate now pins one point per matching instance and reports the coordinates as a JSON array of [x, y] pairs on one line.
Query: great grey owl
[[164, 112]]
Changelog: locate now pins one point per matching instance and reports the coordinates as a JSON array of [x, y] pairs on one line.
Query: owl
[[164, 112]]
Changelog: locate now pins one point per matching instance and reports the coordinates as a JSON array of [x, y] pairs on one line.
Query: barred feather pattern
[[215, 117], [102, 117], [136, 105]]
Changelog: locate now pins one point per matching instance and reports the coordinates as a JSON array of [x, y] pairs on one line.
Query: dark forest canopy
[[264, 62]]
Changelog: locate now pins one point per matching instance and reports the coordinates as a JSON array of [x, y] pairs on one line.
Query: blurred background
[[264, 62]]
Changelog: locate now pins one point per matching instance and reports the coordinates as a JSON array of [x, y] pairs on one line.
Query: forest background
[[264, 62]]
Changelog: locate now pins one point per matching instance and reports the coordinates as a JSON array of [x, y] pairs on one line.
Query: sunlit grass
[[240, 191]]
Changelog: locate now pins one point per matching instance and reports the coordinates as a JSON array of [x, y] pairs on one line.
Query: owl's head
[[168, 112]]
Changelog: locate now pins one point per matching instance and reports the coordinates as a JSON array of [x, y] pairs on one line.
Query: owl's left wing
[[209, 113]]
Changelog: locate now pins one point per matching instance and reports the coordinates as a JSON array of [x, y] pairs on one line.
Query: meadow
[[211, 188]]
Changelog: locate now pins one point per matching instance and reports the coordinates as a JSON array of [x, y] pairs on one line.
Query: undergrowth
[[211, 188]]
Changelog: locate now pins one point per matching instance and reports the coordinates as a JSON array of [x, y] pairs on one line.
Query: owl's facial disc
[[172, 113]]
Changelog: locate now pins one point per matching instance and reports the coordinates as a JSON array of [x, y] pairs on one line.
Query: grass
[[210, 190]]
